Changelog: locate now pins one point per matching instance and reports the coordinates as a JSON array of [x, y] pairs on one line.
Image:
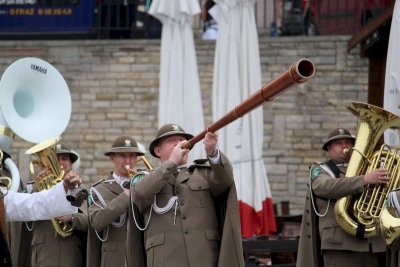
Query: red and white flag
[[237, 75]]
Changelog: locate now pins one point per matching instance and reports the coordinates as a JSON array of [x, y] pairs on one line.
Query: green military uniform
[[190, 232], [110, 222]]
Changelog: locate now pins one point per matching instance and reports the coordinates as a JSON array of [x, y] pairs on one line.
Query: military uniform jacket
[[187, 235], [332, 236], [50, 249], [113, 250]]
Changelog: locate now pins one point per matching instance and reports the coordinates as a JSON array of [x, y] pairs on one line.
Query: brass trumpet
[[132, 172]]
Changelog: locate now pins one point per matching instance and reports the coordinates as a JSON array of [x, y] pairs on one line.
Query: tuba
[[35, 103], [357, 214], [389, 221], [7, 165], [53, 173]]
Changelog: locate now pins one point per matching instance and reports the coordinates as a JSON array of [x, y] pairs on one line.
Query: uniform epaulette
[[144, 170], [199, 163], [98, 182]]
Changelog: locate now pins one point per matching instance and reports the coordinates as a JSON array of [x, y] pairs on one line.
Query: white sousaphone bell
[[35, 104]]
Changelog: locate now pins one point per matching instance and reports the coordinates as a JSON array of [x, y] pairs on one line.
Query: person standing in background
[[48, 247], [16, 206], [322, 241], [210, 26], [109, 205]]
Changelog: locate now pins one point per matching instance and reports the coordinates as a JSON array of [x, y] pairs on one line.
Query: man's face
[[120, 160], [336, 147], [65, 161], [164, 148]]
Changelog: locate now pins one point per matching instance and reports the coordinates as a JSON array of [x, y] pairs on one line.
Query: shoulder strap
[[335, 169]]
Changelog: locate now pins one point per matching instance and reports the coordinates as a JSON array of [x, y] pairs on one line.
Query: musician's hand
[[43, 174], [179, 156], [379, 176], [72, 180], [210, 143], [65, 218], [127, 192]]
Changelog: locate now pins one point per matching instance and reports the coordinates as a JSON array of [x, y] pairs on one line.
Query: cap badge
[[175, 128], [128, 143]]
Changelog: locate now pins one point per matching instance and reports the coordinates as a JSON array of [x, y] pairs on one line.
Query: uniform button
[[308, 223], [186, 232], [309, 236], [182, 203], [184, 217], [199, 187]]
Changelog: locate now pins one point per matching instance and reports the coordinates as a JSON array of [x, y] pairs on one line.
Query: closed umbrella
[[391, 100], [237, 75], [179, 96]]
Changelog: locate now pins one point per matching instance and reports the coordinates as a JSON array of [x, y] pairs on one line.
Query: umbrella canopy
[[179, 97], [237, 75], [391, 98]]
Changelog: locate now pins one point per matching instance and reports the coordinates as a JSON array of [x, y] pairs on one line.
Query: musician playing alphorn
[[181, 224]]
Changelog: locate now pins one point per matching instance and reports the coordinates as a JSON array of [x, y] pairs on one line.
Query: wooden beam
[[371, 26]]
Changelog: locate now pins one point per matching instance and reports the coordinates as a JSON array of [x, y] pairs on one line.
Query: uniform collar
[[120, 179]]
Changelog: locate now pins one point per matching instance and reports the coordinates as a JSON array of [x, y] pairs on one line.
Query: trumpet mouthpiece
[[130, 171]]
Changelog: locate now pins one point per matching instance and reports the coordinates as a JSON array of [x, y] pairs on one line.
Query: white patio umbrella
[[179, 97], [237, 75], [391, 100]]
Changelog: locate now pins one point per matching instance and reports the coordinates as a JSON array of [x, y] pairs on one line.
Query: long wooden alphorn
[[299, 72]]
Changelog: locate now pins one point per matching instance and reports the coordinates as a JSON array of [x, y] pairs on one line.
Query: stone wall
[[114, 89]]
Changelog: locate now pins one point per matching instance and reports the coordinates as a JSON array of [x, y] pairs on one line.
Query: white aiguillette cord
[[102, 205], [171, 202], [311, 192]]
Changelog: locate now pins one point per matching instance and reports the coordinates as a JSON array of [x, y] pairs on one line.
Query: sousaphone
[[35, 103]]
